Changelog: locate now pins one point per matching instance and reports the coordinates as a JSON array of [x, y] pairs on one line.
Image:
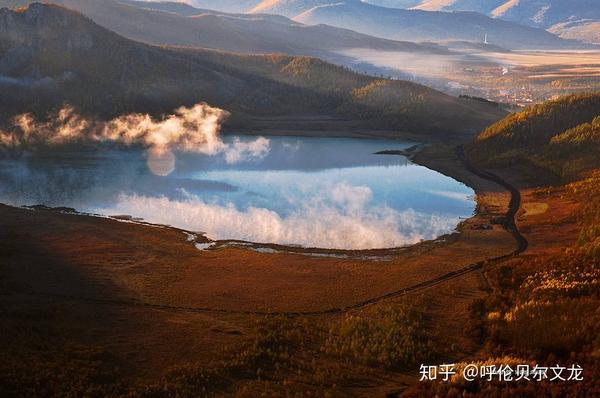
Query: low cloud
[[240, 150], [410, 64], [195, 129]]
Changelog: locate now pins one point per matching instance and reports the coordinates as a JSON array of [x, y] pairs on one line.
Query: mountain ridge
[[54, 56], [414, 24], [560, 137], [542, 14], [418, 25], [177, 24], [547, 14]]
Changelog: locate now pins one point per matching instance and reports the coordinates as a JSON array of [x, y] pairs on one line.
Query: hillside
[[547, 13], [178, 24], [539, 13], [257, 32], [417, 25], [587, 30], [395, 3], [539, 298], [289, 8], [226, 5], [50, 55], [561, 137], [581, 16], [183, 9], [481, 6]]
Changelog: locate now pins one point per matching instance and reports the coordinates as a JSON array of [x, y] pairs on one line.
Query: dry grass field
[[140, 301], [149, 301]]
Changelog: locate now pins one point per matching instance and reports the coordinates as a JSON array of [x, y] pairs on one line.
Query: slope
[[180, 25], [586, 30], [561, 137], [546, 13], [569, 19], [50, 55], [417, 25]]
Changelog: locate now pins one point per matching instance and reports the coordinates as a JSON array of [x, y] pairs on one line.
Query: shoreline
[[467, 231], [370, 134], [200, 238]]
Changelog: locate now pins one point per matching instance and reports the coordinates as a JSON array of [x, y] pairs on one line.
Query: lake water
[[313, 192]]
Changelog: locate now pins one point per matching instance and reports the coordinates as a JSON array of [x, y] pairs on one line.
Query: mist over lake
[[314, 192]]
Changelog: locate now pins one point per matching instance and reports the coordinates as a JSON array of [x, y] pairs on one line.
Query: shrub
[[391, 336]]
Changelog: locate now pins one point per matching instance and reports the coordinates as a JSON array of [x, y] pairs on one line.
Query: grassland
[[543, 305], [84, 309], [97, 307], [103, 75], [80, 312]]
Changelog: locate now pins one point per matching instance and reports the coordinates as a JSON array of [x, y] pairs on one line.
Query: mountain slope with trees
[[178, 24], [561, 137], [50, 56]]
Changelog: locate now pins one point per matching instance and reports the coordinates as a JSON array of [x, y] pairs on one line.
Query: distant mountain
[[50, 55], [175, 7], [546, 13], [539, 13], [587, 30], [179, 24], [395, 3], [571, 19], [240, 6], [417, 25], [289, 8], [481, 6]]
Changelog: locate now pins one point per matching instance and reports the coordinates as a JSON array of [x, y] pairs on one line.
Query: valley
[[103, 75], [482, 64], [298, 199]]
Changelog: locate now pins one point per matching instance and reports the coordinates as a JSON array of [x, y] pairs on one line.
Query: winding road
[[509, 224]]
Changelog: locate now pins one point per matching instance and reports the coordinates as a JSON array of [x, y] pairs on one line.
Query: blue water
[[314, 192]]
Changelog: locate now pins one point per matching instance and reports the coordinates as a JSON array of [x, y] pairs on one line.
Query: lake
[[312, 192]]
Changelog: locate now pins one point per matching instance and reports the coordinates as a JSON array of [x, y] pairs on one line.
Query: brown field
[[544, 58]]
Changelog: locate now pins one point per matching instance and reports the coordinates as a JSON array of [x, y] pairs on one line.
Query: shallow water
[[313, 192]]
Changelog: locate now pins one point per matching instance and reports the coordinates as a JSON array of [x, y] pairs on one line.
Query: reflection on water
[[315, 192]]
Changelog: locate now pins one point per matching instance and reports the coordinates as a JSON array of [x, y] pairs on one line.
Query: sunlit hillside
[[105, 74], [226, 203], [559, 136], [543, 306]]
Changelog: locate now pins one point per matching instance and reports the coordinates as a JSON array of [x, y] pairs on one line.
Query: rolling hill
[[395, 3], [561, 137], [587, 30], [289, 8], [540, 13], [50, 55], [333, 26], [417, 25], [226, 5], [178, 24], [481, 6], [570, 19], [547, 13]]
